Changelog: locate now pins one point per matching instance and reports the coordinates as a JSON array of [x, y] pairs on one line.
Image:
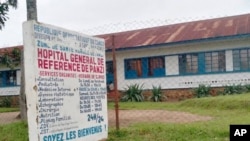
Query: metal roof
[[189, 31], [9, 49]]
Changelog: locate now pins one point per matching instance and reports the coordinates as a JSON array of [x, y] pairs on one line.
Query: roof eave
[[218, 38]]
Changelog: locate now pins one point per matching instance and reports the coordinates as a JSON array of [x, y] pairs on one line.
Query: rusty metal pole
[[115, 85]]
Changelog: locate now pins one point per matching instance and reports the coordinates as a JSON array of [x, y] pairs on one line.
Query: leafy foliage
[[5, 102], [247, 87], [157, 94], [202, 91], [4, 9], [234, 89], [133, 93], [11, 58]]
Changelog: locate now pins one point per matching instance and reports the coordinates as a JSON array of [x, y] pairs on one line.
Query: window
[[8, 78], [134, 67], [1, 79], [215, 62], [109, 72], [145, 67], [109, 67], [154, 64], [241, 59], [188, 63]]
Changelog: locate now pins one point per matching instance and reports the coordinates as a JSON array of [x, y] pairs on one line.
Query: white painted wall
[[171, 82], [7, 91]]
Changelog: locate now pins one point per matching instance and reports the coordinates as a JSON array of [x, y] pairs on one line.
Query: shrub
[[229, 90], [157, 94], [133, 93], [240, 89], [202, 91], [247, 87], [234, 89], [5, 102]]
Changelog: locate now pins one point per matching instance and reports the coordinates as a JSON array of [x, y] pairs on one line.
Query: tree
[[4, 9], [11, 58]]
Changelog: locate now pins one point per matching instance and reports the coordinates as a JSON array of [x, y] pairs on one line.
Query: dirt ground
[[8, 117], [128, 117]]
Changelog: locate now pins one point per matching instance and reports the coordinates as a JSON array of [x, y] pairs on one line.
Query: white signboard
[[65, 84]]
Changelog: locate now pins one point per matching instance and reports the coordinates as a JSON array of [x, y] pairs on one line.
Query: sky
[[103, 16]]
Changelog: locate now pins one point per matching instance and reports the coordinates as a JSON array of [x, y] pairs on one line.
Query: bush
[[157, 94], [234, 89], [202, 91], [133, 93], [5, 102], [247, 87], [229, 90]]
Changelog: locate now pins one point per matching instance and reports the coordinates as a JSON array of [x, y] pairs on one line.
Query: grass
[[203, 106], [17, 131], [4, 110], [226, 110]]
